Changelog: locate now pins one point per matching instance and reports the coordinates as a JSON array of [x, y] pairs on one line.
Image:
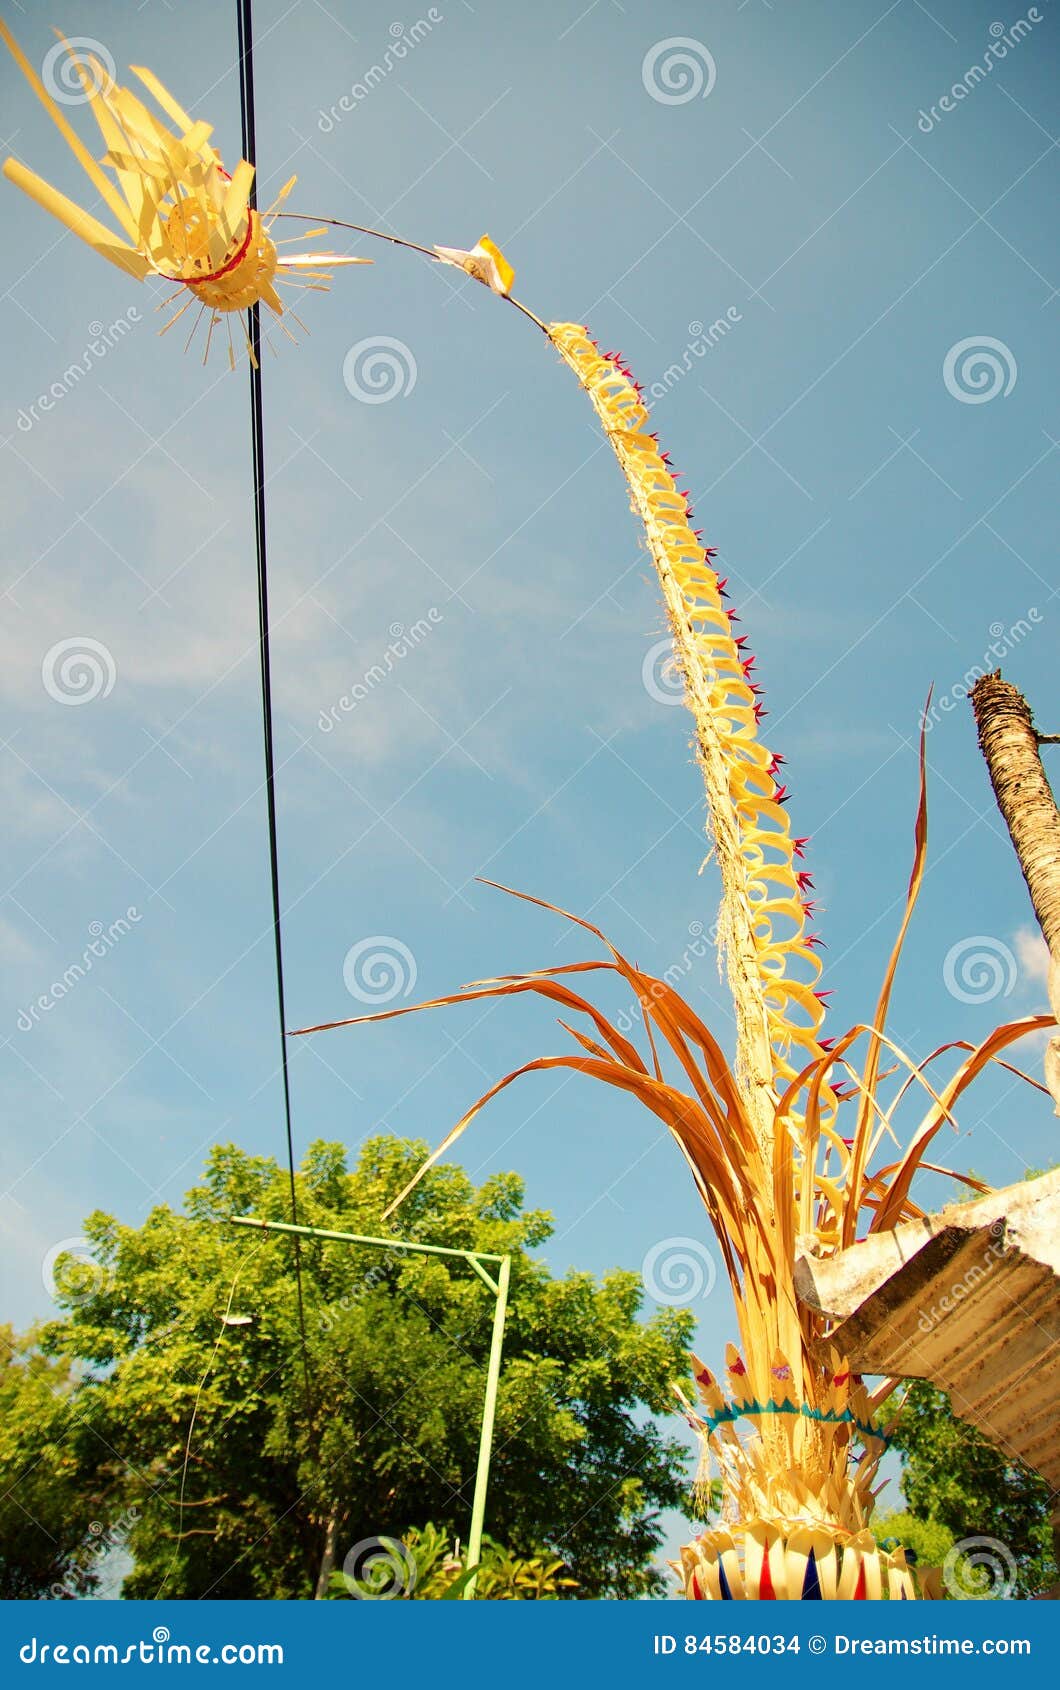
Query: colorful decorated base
[[792, 1561]]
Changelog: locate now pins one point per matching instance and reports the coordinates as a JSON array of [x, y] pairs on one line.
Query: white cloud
[[1032, 953]]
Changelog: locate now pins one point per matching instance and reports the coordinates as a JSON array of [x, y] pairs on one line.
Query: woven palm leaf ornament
[[790, 1427], [182, 217]]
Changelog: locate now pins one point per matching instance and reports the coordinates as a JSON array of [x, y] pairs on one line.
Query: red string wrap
[[237, 258]]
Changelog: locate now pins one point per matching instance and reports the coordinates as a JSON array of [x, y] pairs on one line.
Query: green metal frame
[[502, 1266]]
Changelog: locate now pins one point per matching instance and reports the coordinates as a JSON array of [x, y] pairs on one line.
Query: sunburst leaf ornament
[[182, 216]]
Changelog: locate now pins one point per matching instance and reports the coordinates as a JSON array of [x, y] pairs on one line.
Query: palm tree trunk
[[1010, 747]]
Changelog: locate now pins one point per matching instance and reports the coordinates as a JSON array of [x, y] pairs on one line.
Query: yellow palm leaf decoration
[[797, 1501], [760, 1136], [181, 216], [485, 261], [772, 964]]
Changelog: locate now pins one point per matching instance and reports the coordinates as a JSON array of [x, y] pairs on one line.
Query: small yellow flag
[[485, 262]]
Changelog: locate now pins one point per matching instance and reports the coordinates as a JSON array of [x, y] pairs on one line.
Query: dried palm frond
[[805, 1404]]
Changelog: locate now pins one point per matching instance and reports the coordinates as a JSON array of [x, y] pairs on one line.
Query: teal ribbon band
[[831, 1417]]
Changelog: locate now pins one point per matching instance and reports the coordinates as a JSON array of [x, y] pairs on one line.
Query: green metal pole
[[361, 1238], [489, 1413], [475, 1259]]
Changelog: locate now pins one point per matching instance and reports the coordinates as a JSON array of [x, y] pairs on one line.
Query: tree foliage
[[174, 1399], [928, 1541], [50, 1526], [954, 1480], [428, 1565]]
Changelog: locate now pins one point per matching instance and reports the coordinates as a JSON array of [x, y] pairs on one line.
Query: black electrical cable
[[246, 101]]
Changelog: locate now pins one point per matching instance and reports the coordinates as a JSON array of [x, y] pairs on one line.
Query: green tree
[[957, 1483], [427, 1565], [50, 1525], [927, 1540], [190, 1405]]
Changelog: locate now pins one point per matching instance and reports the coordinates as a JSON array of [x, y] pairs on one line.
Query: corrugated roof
[[969, 1299]]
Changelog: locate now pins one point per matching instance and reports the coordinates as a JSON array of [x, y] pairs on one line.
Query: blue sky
[[882, 519]]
